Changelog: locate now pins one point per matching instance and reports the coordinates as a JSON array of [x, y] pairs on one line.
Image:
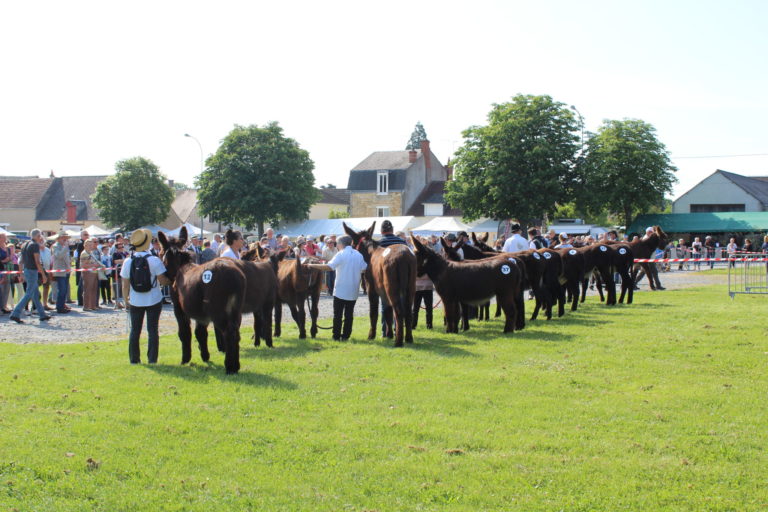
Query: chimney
[[412, 156], [448, 171], [427, 154], [71, 212]]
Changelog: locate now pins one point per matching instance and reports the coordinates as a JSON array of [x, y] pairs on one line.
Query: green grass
[[656, 406]]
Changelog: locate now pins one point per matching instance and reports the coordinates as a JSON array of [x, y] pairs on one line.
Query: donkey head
[[452, 253], [362, 240], [174, 255], [663, 238], [481, 243], [427, 260]]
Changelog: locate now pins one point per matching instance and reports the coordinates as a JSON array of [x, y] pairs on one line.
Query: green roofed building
[[713, 222]]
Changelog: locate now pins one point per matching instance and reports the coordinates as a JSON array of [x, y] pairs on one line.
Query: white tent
[[441, 225], [192, 230], [4, 232], [95, 230], [486, 226], [154, 229], [319, 227]]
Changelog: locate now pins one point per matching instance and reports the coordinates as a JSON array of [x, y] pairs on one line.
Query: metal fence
[[748, 274]]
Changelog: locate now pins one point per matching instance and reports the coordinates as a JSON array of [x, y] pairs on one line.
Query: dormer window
[[382, 180]]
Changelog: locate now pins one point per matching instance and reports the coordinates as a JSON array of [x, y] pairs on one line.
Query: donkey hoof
[[256, 343], [303, 336], [205, 357], [269, 344], [398, 344]]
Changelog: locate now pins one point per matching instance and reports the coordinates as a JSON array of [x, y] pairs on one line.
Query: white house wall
[[716, 189]]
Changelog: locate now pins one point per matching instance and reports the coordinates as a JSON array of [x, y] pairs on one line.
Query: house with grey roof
[[331, 200], [48, 203], [395, 183], [724, 191]]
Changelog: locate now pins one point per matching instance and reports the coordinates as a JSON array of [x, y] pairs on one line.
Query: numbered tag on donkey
[[386, 252], [547, 255], [207, 276], [603, 248], [572, 252], [622, 251], [505, 269], [537, 256]]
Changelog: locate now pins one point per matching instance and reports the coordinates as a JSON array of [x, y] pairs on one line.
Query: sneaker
[[63, 311], [45, 318], [17, 319]]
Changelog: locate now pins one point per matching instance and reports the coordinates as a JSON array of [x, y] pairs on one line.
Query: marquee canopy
[[442, 225], [319, 227]]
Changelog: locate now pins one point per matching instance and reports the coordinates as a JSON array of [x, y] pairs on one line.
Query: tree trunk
[[627, 217], [260, 226]]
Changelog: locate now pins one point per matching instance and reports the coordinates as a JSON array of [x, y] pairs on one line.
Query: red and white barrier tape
[[62, 270], [696, 260]]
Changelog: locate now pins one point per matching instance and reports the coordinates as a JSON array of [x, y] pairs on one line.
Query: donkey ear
[[485, 238], [260, 250], [183, 235], [350, 231], [371, 230], [163, 240], [474, 238], [416, 242]]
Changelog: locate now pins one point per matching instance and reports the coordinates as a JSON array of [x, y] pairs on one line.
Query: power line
[[720, 156]]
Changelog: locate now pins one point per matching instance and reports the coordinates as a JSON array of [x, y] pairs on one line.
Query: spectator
[[144, 303], [216, 244], [732, 249], [564, 241], [17, 290], [78, 275], [653, 277], [748, 246], [5, 279], [235, 242], [208, 253], [387, 236], [349, 265], [104, 284], [272, 241], [46, 260], [62, 261], [682, 252], [328, 253], [516, 242], [451, 240], [30, 262], [311, 247], [118, 257], [696, 250], [90, 278], [498, 246], [764, 247], [536, 240], [424, 293]]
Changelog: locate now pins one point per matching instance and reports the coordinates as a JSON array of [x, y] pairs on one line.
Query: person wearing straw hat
[[140, 303], [62, 260]]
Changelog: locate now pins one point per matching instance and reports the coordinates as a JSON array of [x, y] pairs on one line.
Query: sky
[[85, 84]]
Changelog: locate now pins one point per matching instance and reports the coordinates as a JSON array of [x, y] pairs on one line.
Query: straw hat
[[62, 233], [140, 239]]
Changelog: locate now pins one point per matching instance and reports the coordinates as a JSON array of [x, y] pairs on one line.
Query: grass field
[[656, 406]]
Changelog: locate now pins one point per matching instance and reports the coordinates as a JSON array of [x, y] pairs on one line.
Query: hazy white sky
[[85, 84]]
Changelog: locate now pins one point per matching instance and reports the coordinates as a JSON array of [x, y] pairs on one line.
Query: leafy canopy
[[518, 165], [257, 176], [627, 169], [136, 195], [419, 134]]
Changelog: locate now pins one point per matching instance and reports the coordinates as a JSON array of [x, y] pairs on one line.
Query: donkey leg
[[266, 326], [610, 287], [508, 304], [231, 328], [299, 321], [373, 313], [278, 317], [257, 327], [407, 309], [185, 336], [221, 343], [584, 286], [201, 333], [519, 310], [313, 313]]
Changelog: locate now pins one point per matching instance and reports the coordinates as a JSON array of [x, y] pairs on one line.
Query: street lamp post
[[202, 163]]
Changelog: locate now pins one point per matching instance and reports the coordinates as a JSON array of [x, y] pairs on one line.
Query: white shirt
[[215, 246], [156, 268], [349, 265], [229, 253], [515, 243]]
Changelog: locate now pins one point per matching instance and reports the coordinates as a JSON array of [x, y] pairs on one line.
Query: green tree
[[178, 186], [338, 214], [257, 176], [418, 135], [136, 195], [519, 165], [328, 185], [627, 169]]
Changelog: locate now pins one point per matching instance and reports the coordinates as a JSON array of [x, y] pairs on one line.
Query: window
[[709, 208], [382, 211], [383, 182], [433, 209]]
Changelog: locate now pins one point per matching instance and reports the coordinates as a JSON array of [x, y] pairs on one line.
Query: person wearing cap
[[516, 242], [148, 303], [33, 267], [388, 237], [451, 240], [62, 261], [564, 241]]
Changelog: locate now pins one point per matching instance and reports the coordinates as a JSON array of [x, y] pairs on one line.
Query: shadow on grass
[[283, 348], [210, 371]]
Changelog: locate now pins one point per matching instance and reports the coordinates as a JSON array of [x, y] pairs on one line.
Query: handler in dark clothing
[[388, 238]]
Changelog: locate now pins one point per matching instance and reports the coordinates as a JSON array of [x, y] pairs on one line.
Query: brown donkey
[[296, 284], [209, 293], [391, 276], [473, 282]]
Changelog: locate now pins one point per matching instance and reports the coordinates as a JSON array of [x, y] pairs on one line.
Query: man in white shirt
[[349, 266], [515, 243], [149, 302]]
